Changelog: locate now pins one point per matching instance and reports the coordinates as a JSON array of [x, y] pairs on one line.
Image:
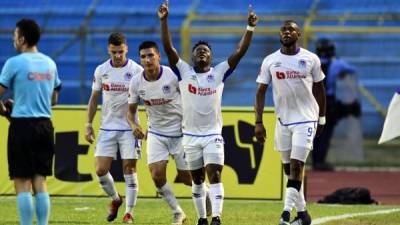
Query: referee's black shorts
[[30, 147]]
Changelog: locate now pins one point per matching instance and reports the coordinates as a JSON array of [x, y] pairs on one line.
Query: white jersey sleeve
[[316, 70], [182, 69], [223, 71], [264, 76], [133, 89], [97, 84]]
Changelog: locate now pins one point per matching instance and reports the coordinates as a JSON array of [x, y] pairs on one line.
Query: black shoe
[[285, 218], [202, 221], [302, 218], [215, 221]]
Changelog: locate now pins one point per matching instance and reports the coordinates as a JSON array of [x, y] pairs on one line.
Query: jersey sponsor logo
[[40, 76], [289, 75], [192, 89], [201, 91], [166, 89], [114, 87], [127, 76], [157, 101]]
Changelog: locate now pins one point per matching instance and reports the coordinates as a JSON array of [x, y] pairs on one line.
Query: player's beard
[[288, 43]]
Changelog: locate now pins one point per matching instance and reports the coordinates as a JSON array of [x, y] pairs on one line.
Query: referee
[[33, 79]]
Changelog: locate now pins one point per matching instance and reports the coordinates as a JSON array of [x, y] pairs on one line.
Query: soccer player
[[33, 78], [299, 96], [112, 79], [201, 88], [158, 87]]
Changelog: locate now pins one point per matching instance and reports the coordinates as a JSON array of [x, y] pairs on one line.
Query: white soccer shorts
[[201, 151], [159, 148], [109, 142], [294, 141]]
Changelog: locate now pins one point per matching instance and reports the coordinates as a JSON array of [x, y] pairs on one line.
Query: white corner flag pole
[[391, 127]]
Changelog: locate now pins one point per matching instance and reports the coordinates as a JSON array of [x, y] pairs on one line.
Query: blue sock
[[42, 207], [25, 208]]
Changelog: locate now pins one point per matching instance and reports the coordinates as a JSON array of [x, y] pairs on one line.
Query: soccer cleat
[[128, 218], [285, 218], [215, 221], [113, 210], [302, 218], [208, 206], [178, 218], [202, 221]]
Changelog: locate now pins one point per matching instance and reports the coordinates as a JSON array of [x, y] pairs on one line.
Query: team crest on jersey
[[128, 76], [105, 76], [193, 77], [166, 89], [302, 63], [210, 78], [142, 92]]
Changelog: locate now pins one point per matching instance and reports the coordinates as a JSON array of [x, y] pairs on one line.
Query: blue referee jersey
[[32, 77]]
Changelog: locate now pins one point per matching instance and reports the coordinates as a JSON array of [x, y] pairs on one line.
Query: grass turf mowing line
[[351, 215]]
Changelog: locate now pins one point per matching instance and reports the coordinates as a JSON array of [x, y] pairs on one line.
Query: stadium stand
[[76, 31]]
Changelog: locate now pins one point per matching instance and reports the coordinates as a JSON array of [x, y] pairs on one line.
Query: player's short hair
[[116, 39], [201, 42], [30, 30], [148, 44], [291, 21]]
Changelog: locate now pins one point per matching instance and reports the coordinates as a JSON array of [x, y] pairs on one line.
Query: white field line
[[351, 215], [83, 209]]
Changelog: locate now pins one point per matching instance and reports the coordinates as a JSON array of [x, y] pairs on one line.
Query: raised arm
[[319, 95], [91, 112], [169, 49], [244, 43], [136, 128], [259, 129]]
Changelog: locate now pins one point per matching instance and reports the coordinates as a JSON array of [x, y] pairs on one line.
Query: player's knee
[[185, 178], [129, 169], [296, 169], [286, 168], [158, 178], [101, 171]]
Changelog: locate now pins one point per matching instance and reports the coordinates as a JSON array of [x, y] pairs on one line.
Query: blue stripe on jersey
[[177, 73], [200, 135], [227, 74], [122, 130], [163, 135], [301, 122]]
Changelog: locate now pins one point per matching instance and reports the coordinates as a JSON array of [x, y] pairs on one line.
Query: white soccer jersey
[[292, 78], [201, 98], [114, 84], [162, 101]]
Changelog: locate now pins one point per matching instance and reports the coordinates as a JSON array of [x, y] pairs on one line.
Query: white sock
[[301, 201], [107, 183], [132, 189], [290, 198], [199, 199], [169, 196], [217, 198]]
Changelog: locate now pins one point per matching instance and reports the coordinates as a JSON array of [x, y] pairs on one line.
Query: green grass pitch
[[89, 210]]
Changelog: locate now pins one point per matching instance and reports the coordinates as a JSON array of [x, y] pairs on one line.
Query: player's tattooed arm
[[259, 129], [169, 49], [244, 44], [136, 128]]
